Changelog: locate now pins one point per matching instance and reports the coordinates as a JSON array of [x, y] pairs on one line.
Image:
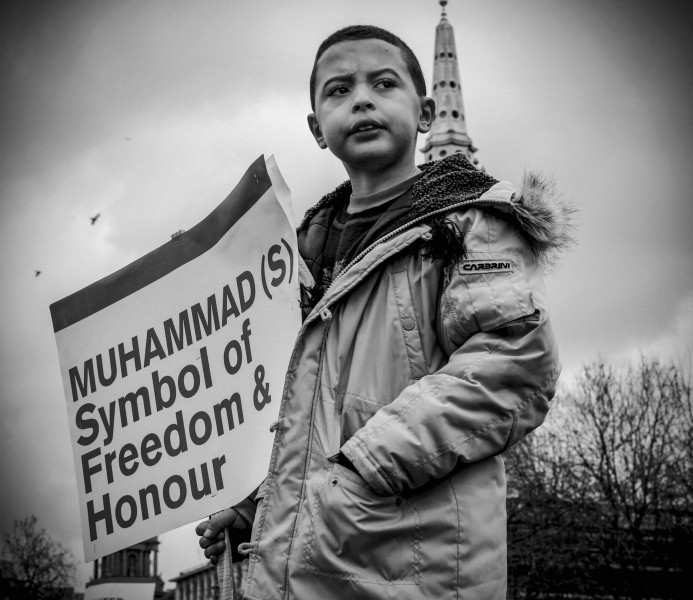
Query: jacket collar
[[541, 215], [444, 183]]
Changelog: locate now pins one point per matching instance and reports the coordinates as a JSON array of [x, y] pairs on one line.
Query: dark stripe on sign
[[166, 258]]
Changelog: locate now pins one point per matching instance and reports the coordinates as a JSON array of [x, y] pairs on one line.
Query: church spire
[[449, 131]]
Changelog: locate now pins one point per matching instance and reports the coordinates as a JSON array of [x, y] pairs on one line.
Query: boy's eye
[[386, 83], [337, 90]]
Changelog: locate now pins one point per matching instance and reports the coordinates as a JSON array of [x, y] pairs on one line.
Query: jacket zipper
[[309, 445]]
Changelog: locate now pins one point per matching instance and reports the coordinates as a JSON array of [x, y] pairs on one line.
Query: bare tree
[[551, 526], [629, 434], [40, 567], [602, 495]]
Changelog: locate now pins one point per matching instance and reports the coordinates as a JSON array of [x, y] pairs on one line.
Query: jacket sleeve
[[497, 384]]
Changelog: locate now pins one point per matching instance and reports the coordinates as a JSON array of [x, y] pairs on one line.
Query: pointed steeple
[[449, 131]]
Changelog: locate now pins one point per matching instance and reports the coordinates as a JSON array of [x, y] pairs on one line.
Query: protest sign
[[173, 368]]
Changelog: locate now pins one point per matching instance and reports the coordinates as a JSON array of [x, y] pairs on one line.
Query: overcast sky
[[149, 112]]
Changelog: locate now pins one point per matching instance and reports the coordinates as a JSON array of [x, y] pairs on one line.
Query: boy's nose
[[362, 99]]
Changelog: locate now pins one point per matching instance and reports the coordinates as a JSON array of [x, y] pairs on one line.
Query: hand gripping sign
[[173, 368]]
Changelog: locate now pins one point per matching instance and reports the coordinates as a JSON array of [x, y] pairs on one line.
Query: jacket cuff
[[246, 511], [358, 456]]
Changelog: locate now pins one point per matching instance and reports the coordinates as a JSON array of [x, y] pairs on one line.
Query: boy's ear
[[316, 131], [427, 115]]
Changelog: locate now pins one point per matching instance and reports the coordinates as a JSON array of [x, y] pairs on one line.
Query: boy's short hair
[[369, 32]]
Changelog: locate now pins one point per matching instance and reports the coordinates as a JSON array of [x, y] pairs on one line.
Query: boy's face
[[367, 111]]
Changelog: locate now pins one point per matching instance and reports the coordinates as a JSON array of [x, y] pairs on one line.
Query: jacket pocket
[[353, 534]]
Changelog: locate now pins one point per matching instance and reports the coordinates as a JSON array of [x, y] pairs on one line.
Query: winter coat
[[422, 370]]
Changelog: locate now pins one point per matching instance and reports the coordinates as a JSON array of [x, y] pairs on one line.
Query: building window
[[442, 84], [443, 114], [132, 566], [452, 84], [455, 114], [449, 54], [443, 153]]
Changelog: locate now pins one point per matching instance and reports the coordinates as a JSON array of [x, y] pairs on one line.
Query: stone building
[[135, 565]]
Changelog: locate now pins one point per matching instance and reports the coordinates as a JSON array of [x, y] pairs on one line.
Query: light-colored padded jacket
[[422, 374]]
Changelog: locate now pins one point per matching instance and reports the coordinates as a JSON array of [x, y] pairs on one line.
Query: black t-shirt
[[358, 224]]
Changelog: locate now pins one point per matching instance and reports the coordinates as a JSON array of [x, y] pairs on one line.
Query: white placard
[[173, 368]]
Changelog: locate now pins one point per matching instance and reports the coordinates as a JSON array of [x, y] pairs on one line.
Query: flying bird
[[94, 218], [37, 272]]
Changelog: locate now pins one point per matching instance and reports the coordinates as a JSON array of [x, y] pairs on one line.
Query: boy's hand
[[211, 532]]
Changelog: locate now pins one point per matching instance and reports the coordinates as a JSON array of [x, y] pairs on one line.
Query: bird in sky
[[94, 218], [37, 272]]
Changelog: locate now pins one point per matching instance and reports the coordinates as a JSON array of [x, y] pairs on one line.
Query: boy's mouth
[[364, 125]]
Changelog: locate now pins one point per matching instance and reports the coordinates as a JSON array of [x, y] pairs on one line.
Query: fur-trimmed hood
[[544, 218], [537, 212], [443, 183], [541, 215]]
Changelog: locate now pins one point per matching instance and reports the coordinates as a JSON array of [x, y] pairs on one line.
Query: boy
[[425, 352]]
